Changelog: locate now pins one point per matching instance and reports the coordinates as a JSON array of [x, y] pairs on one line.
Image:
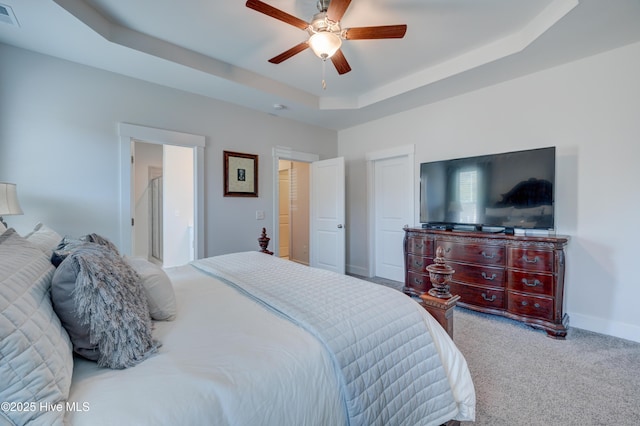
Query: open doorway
[[293, 218], [182, 166], [326, 195], [163, 200]]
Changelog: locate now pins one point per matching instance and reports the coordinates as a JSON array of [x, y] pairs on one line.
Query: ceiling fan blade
[[289, 53], [370, 33], [336, 9], [276, 13], [340, 62]]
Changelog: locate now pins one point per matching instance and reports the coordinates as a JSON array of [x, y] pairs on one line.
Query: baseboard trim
[[603, 326], [357, 270]]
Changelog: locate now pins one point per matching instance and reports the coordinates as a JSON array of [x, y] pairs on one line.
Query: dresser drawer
[[483, 254], [420, 245], [478, 274], [528, 282], [478, 296], [419, 282], [418, 263], [531, 260], [531, 306]]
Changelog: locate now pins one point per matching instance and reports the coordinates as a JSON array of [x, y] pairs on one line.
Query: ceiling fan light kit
[[324, 44], [325, 33]]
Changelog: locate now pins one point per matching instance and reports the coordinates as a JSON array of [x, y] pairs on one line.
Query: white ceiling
[[220, 49]]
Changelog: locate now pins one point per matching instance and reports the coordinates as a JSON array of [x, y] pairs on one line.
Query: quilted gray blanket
[[383, 353]]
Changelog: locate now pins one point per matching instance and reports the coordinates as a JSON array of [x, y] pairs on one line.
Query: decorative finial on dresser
[[264, 242], [440, 275]]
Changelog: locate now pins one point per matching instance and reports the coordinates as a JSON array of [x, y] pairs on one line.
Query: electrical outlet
[[259, 214]]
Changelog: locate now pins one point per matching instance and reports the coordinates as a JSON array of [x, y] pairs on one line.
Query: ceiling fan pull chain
[[324, 83]]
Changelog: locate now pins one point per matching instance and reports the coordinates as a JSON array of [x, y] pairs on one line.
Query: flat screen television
[[490, 192]]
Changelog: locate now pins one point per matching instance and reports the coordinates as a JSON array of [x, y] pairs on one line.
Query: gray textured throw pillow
[[100, 301], [68, 244], [63, 285]]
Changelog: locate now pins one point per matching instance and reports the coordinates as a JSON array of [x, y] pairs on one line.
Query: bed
[[249, 339]]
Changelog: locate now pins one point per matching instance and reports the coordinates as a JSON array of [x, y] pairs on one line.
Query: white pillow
[[44, 237], [35, 351], [2, 228], [158, 288]]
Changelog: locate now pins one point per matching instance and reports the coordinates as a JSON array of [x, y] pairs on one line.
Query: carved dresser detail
[[519, 277]]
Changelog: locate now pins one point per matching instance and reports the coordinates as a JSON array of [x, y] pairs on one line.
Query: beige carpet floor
[[523, 377]]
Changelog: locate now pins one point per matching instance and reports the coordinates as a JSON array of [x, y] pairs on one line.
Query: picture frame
[[240, 174]]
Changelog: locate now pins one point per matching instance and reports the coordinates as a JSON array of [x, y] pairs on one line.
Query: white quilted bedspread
[[386, 359]]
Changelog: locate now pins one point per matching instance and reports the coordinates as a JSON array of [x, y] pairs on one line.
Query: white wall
[[588, 109], [178, 201], [59, 142]]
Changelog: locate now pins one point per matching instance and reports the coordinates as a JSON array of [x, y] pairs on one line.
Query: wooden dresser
[[519, 277]]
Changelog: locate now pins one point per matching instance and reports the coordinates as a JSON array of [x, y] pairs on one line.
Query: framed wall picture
[[240, 174]]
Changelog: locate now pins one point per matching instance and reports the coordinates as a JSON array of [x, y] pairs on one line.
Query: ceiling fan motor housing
[[320, 23]]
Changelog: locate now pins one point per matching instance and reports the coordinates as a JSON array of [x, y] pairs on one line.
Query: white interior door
[[393, 210], [328, 215]]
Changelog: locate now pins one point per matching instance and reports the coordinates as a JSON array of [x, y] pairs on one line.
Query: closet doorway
[[293, 215]]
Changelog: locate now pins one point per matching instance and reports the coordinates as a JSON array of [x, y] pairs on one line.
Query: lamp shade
[[324, 44], [9, 204]]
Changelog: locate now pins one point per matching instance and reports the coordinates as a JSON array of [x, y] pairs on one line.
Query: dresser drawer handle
[[419, 246], [491, 278], [534, 283], [417, 280], [489, 299], [486, 256], [418, 263], [526, 259], [525, 303]]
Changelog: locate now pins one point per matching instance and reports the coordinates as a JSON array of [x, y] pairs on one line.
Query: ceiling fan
[[325, 32]]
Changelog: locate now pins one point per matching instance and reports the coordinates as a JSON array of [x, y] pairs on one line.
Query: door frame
[[283, 153], [128, 134], [371, 157]]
